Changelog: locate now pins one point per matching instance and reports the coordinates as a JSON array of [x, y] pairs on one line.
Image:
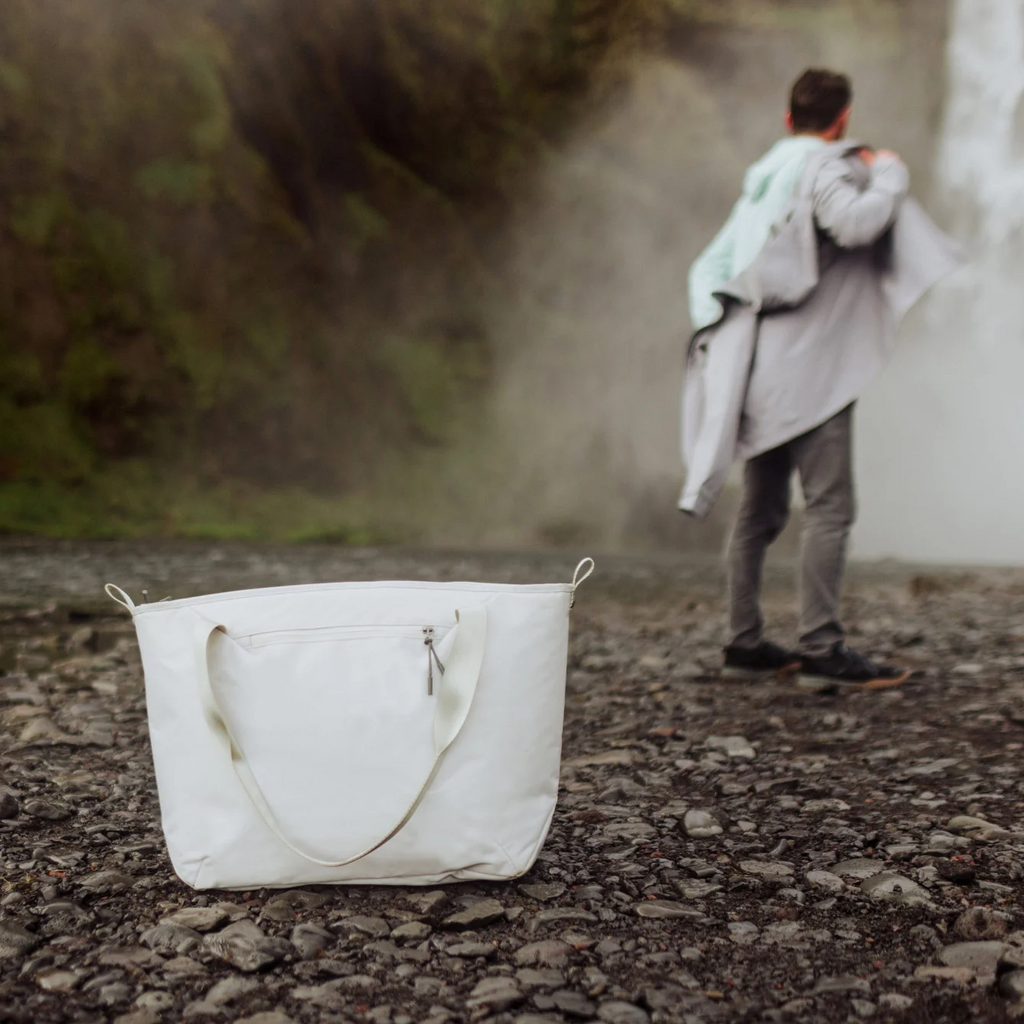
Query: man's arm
[[853, 216]]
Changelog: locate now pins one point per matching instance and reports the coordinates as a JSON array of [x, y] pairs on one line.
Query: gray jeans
[[823, 458]]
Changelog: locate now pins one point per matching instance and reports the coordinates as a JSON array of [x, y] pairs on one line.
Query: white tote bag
[[395, 733]]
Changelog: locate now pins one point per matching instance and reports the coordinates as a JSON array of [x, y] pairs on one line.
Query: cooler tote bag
[[392, 733]]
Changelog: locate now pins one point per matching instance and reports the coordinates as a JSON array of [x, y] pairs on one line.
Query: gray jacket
[[813, 322]]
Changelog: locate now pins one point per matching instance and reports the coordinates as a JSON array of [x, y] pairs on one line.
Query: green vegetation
[[246, 245]]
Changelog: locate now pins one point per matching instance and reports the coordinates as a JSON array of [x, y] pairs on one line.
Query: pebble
[[412, 931], [171, 939], [102, 883], [57, 980], [243, 945], [978, 924], [825, 880], [1011, 985], [766, 869], [15, 940], [549, 953], [617, 1012], [199, 919], [496, 994], [887, 886], [9, 806], [667, 910], [732, 746], [978, 956], [544, 891], [859, 867], [477, 916], [701, 825], [310, 939]]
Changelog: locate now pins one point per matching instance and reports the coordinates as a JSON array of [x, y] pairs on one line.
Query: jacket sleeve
[[853, 216], [710, 270]]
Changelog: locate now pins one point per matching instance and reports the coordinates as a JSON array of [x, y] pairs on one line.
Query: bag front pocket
[[336, 724]]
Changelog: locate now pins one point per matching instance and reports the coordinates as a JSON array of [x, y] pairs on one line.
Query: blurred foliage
[[246, 240], [245, 245]]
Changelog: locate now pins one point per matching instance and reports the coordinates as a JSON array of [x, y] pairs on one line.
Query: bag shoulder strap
[[455, 697]]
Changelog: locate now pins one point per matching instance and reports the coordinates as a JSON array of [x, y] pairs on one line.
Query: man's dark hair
[[818, 98]]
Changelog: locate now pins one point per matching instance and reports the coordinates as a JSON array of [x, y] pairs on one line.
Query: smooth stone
[[617, 1012], [199, 919], [825, 880], [977, 956], [375, 927], [9, 806], [120, 956], [155, 1001], [101, 883], [895, 1001], [413, 931], [666, 910], [470, 950], [432, 904], [978, 924], [15, 940], [700, 825], [732, 746], [310, 939], [743, 933], [497, 994], [828, 805], [766, 869], [244, 946], [963, 975], [229, 989], [549, 917], [543, 891], [267, 1017], [575, 1004], [477, 916], [549, 953], [47, 810], [1011, 985], [56, 980], [138, 1017], [694, 889], [533, 978], [171, 939], [843, 983], [184, 966], [859, 867], [887, 886]]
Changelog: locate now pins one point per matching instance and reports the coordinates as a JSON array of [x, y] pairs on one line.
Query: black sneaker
[[760, 662], [843, 669]]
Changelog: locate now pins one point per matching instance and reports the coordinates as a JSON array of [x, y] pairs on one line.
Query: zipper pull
[[428, 640]]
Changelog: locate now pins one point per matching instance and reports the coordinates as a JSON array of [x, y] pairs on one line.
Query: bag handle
[[455, 696]]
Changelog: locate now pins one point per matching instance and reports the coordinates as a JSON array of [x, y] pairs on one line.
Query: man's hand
[[869, 156]]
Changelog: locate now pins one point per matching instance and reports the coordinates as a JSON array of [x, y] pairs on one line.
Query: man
[[796, 304]]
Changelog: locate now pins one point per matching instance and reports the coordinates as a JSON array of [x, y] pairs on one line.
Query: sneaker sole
[[750, 675], [827, 684]]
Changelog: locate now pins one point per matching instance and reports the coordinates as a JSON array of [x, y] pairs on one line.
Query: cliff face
[[260, 259]]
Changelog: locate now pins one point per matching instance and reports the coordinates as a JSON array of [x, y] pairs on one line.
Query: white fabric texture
[[768, 190], [308, 734]]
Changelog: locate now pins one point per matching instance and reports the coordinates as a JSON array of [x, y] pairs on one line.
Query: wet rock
[[138, 956], [477, 916], [471, 950], [701, 825], [171, 939], [573, 1004], [243, 945], [230, 989], [962, 872], [532, 979]]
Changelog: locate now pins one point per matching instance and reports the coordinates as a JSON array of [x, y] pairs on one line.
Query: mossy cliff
[[250, 249]]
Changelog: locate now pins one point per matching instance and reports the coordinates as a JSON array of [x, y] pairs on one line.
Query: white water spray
[[941, 437]]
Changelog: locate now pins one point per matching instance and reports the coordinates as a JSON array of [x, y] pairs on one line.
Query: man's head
[[820, 104]]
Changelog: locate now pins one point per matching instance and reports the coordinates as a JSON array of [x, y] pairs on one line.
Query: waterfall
[[941, 437]]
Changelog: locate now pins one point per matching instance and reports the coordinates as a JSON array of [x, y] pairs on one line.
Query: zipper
[[317, 635], [428, 634]]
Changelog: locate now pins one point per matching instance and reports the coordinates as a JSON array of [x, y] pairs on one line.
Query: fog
[[942, 434]]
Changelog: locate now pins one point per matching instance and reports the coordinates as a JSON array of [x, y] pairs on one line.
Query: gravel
[[719, 851]]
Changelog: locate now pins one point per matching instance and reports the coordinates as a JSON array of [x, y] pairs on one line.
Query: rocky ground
[[719, 853]]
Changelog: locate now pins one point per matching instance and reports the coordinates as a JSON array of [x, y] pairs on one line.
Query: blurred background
[[414, 271]]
